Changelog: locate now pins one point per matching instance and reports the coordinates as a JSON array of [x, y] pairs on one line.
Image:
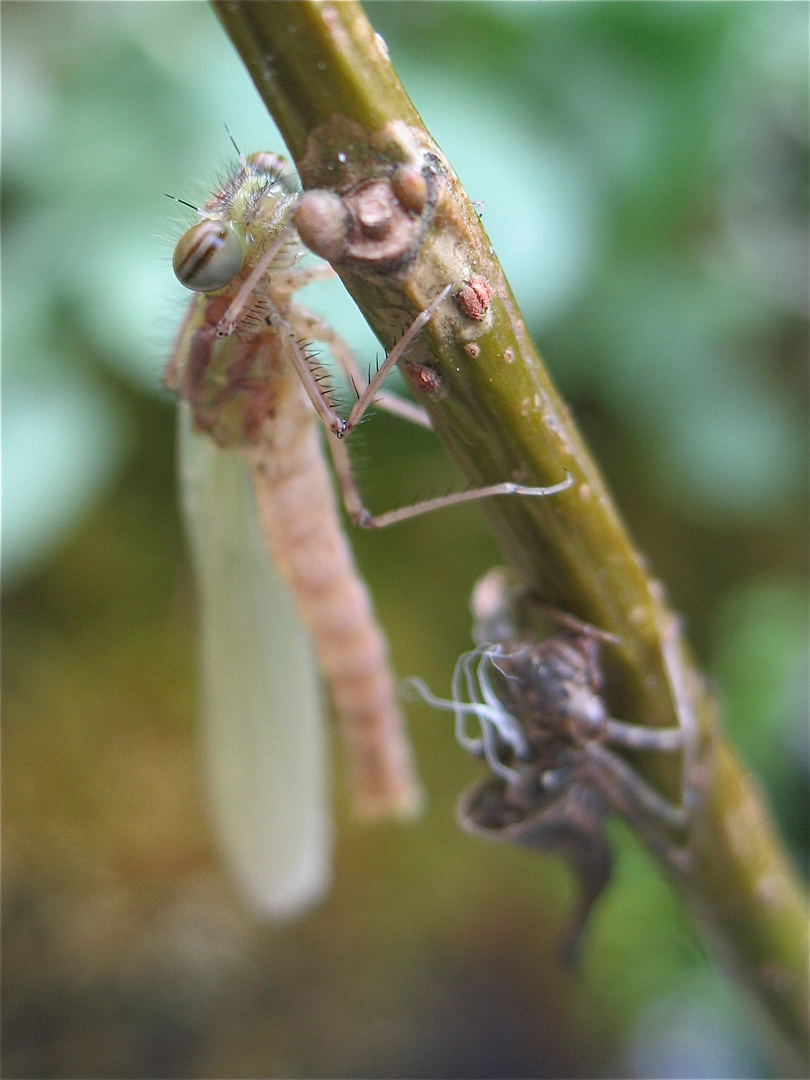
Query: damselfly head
[[265, 163], [239, 223]]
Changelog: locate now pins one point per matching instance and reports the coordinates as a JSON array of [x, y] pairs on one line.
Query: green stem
[[326, 79]]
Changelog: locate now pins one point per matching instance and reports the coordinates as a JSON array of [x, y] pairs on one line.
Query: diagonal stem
[[326, 78]]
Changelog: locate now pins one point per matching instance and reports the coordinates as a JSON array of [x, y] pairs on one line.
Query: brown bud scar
[[322, 222], [475, 297], [410, 188], [472, 350], [374, 222], [423, 378], [381, 233], [375, 209]]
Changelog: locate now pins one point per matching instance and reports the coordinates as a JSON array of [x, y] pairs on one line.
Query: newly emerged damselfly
[[269, 549]]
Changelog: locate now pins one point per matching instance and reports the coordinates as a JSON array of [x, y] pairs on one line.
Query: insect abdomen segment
[[299, 515]]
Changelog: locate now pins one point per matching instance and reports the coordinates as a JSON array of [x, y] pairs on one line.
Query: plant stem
[[326, 79]]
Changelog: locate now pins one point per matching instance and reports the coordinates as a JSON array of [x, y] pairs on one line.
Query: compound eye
[[207, 257]]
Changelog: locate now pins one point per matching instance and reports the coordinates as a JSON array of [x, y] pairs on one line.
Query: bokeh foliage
[[642, 171]]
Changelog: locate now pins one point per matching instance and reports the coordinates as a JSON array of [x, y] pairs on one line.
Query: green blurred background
[[642, 170]]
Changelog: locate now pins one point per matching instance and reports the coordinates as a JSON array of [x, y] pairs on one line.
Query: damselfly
[[256, 484]]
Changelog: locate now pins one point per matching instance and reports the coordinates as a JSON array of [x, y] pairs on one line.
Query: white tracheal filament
[[474, 695]]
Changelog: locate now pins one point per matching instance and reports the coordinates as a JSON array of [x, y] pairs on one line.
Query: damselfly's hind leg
[[366, 520], [629, 795], [309, 324], [654, 816]]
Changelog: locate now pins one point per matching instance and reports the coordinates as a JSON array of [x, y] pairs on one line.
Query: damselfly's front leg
[[330, 417], [309, 325], [368, 395], [319, 330], [371, 391]]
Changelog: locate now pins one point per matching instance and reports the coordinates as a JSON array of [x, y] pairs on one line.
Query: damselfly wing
[[264, 733]]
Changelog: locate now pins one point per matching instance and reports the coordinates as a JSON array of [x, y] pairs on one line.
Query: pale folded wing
[[265, 737]]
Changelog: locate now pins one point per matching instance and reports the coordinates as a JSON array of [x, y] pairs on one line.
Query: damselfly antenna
[[233, 140], [182, 202]]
